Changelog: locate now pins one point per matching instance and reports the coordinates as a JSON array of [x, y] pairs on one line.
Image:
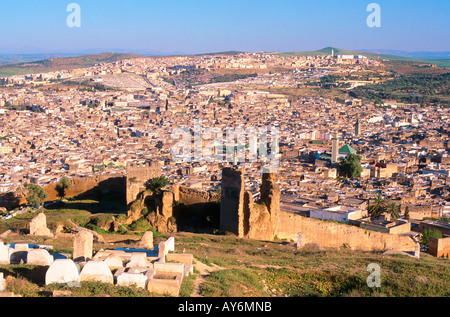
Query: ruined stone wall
[[270, 196], [137, 176], [81, 185], [336, 235], [191, 196], [232, 201], [257, 220]]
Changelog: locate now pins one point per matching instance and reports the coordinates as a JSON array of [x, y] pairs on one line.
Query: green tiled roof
[[347, 149]]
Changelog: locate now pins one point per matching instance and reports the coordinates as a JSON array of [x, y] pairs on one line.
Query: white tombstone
[[4, 253], [62, 271], [170, 244], [2, 283], [132, 279], [39, 257], [96, 271]]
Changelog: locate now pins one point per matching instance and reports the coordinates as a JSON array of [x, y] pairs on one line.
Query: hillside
[[64, 63], [226, 266]]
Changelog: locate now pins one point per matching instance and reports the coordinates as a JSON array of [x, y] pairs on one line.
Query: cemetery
[[156, 269]]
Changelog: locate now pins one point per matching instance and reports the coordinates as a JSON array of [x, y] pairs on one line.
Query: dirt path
[[203, 272]]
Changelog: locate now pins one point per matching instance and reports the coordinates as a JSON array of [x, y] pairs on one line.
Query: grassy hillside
[[227, 266]]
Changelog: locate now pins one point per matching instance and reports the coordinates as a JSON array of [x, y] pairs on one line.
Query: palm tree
[[406, 215], [377, 207], [393, 209]]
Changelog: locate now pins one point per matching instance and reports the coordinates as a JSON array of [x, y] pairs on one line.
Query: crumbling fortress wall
[[85, 185], [265, 220], [241, 215], [175, 206], [112, 182], [232, 217], [137, 175]]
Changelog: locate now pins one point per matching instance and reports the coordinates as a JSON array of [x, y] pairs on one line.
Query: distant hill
[[65, 63], [230, 53], [6, 59], [338, 51], [421, 54]]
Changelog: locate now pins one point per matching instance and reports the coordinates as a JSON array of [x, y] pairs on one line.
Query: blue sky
[[200, 26]]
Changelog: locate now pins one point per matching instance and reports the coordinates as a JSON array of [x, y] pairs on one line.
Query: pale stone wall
[[336, 235]]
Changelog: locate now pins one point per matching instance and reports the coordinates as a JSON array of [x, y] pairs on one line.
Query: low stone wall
[[337, 235], [439, 247]]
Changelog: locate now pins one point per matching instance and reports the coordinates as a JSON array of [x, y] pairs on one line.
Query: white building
[[338, 213]]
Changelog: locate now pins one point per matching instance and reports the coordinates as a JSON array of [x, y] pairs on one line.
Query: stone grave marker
[[146, 241], [82, 246], [38, 226]]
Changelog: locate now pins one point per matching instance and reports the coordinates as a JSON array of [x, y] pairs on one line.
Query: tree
[[350, 166], [62, 186], [428, 233], [36, 195], [377, 207], [157, 183], [393, 209], [406, 215]]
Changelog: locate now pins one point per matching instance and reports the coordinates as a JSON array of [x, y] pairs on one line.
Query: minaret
[[357, 127], [335, 149]]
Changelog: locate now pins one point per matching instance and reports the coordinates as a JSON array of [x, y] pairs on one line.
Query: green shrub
[[427, 233]]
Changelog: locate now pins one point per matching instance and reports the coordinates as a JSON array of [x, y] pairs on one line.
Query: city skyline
[[198, 26]]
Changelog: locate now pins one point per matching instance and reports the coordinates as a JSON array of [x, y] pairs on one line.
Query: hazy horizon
[[200, 26]]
